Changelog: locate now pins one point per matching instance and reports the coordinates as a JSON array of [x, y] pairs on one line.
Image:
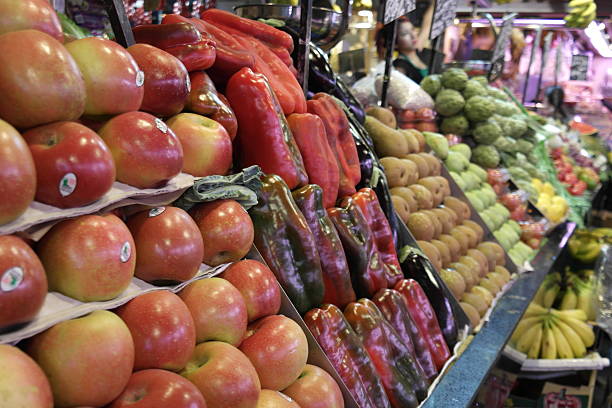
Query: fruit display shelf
[[460, 385]]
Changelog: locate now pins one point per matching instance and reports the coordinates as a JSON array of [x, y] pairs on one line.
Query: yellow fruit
[[547, 188], [537, 184]]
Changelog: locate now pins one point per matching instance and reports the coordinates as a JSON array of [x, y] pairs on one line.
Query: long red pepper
[[167, 35], [424, 316]]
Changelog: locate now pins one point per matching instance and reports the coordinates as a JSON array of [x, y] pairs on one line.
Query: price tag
[[580, 68], [499, 52], [394, 9], [444, 14]]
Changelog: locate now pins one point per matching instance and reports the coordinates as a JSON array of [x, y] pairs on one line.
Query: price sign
[[580, 68], [444, 14], [394, 9], [499, 52]]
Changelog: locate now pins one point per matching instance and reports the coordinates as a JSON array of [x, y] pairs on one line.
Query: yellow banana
[[575, 313], [564, 350], [572, 338], [581, 328], [536, 344], [579, 3], [538, 298], [535, 309], [524, 343], [524, 325], [569, 300], [588, 10], [550, 295], [549, 346]]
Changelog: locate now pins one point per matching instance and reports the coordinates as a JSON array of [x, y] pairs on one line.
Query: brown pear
[[472, 237], [420, 226], [504, 272], [461, 238], [472, 265], [413, 171], [396, 170], [489, 285], [476, 301], [465, 272], [401, 207], [433, 162], [382, 114], [452, 215], [420, 138], [433, 186], [423, 196], [411, 139], [453, 246], [445, 254], [407, 195], [446, 191], [475, 227], [485, 293], [493, 249], [421, 163], [435, 222], [432, 253], [481, 259], [461, 209], [444, 218], [471, 313], [454, 281]]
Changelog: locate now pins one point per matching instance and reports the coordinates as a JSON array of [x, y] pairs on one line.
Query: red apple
[[275, 399], [227, 230], [166, 85], [315, 388], [162, 329], [89, 258], [278, 349], [206, 145], [258, 286], [22, 382], [159, 389], [23, 283], [225, 377], [113, 81], [73, 165], [17, 174], [35, 14], [88, 360], [169, 244], [218, 310], [147, 154], [39, 81]]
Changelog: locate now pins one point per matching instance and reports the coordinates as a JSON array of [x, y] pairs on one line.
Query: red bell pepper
[[368, 272], [577, 188], [394, 308], [319, 160], [263, 134], [196, 56], [167, 35], [348, 356], [401, 376], [204, 100], [256, 29], [424, 316], [336, 278], [367, 201]]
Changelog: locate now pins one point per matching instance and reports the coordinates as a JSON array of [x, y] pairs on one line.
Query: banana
[[524, 325], [569, 300], [538, 298], [584, 300], [572, 338], [536, 344], [549, 346], [524, 343], [535, 309], [575, 313], [589, 10], [581, 328], [550, 295], [563, 348], [579, 3]]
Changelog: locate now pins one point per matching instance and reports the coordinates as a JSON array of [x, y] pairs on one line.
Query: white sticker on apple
[[188, 83], [67, 184], [11, 278], [161, 125], [139, 78], [126, 252], [154, 212]]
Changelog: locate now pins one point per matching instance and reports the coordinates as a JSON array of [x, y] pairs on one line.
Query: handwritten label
[[444, 14], [394, 9], [499, 52], [580, 68]]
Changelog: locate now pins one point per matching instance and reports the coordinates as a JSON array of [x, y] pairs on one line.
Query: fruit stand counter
[[460, 385]]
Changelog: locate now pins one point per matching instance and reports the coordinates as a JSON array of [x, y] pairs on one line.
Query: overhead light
[[557, 22], [597, 40], [364, 13]]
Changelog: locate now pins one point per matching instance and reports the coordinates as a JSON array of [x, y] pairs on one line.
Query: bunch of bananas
[[572, 291], [585, 245], [551, 333], [582, 12]]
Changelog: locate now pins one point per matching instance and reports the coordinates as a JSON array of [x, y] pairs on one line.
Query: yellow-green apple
[[278, 349], [224, 375], [23, 383], [207, 147], [258, 286], [156, 388], [315, 388], [89, 258], [162, 329], [218, 310], [147, 154], [166, 83], [113, 81], [275, 399], [73, 165], [39, 80], [17, 174], [35, 14], [23, 283], [169, 245], [226, 228], [87, 360]]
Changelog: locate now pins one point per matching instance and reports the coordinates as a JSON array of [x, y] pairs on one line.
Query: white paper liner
[[42, 215], [58, 307], [592, 361]]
